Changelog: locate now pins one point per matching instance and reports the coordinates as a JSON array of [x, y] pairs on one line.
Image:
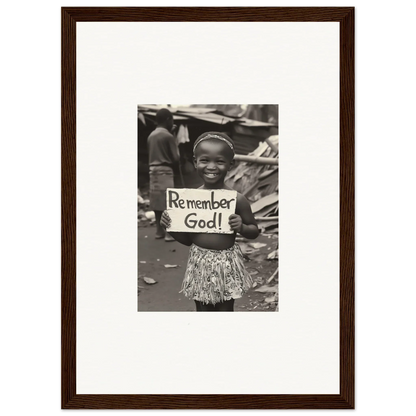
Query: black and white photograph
[[208, 207]]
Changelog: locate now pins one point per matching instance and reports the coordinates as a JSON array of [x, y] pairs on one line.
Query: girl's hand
[[165, 220], [236, 223]]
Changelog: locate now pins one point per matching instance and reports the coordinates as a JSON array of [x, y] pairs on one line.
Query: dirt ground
[[164, 295]]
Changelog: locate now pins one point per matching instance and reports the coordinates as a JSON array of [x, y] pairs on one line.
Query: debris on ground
[[144, 214], [270, 299], [149, 280], [273, 276], [150, 215], [257, 245], [265, 289], [273, 255], [246, 249]]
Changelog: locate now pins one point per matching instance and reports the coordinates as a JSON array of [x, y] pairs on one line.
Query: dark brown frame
[[344, 400]]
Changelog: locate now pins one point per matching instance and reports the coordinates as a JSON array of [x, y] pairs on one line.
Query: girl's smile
[[213, 159]]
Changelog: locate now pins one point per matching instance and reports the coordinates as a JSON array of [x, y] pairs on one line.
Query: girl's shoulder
[[241, 198], [228, 188]]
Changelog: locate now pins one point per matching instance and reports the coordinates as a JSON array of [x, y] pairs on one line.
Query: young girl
[[215, 274]]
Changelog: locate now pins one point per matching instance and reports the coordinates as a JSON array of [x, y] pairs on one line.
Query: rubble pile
[[259, 184]]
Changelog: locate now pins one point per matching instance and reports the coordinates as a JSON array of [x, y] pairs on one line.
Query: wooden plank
[[264, 202], [272, 146], [257, 159]]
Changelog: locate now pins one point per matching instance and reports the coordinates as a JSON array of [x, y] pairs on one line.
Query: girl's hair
[[215, 135]]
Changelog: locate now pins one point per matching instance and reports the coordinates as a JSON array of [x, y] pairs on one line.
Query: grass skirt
[[214, 276]]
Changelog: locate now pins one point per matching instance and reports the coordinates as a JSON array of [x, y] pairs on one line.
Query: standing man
[[163, 158]]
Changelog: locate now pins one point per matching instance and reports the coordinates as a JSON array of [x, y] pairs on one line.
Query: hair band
[[214, 136]]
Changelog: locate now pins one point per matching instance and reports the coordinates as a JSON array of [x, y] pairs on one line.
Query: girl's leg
[[203, 307], [227, 306]]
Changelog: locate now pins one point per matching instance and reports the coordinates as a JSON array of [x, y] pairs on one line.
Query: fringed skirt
[[214, 276]]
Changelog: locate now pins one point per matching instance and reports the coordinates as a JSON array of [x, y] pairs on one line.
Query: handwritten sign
[[200, 210]]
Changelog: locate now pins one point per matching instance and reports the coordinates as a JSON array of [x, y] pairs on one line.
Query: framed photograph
[[243, 206]]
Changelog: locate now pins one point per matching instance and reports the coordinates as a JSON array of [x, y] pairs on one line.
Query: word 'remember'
[[175, 202]]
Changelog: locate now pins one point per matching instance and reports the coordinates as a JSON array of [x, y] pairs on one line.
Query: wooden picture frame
[[344, 400]]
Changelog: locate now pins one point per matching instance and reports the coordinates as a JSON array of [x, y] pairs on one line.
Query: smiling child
[[215, 275]]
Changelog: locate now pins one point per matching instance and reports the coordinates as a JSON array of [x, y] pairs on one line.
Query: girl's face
[[212, 160]]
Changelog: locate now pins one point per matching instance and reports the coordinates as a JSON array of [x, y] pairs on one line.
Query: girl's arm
[[183, 238], [243, 221]]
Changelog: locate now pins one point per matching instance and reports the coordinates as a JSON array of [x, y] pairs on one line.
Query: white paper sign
[[200, 210]]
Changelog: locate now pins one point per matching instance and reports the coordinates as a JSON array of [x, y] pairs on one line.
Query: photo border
[[69, 17]]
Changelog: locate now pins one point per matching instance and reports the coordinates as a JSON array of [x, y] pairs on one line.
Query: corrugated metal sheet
[[210, 117], [254, 123], [245, 144], [247, 139], [192, 110], [197, 110], [175, 116]]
